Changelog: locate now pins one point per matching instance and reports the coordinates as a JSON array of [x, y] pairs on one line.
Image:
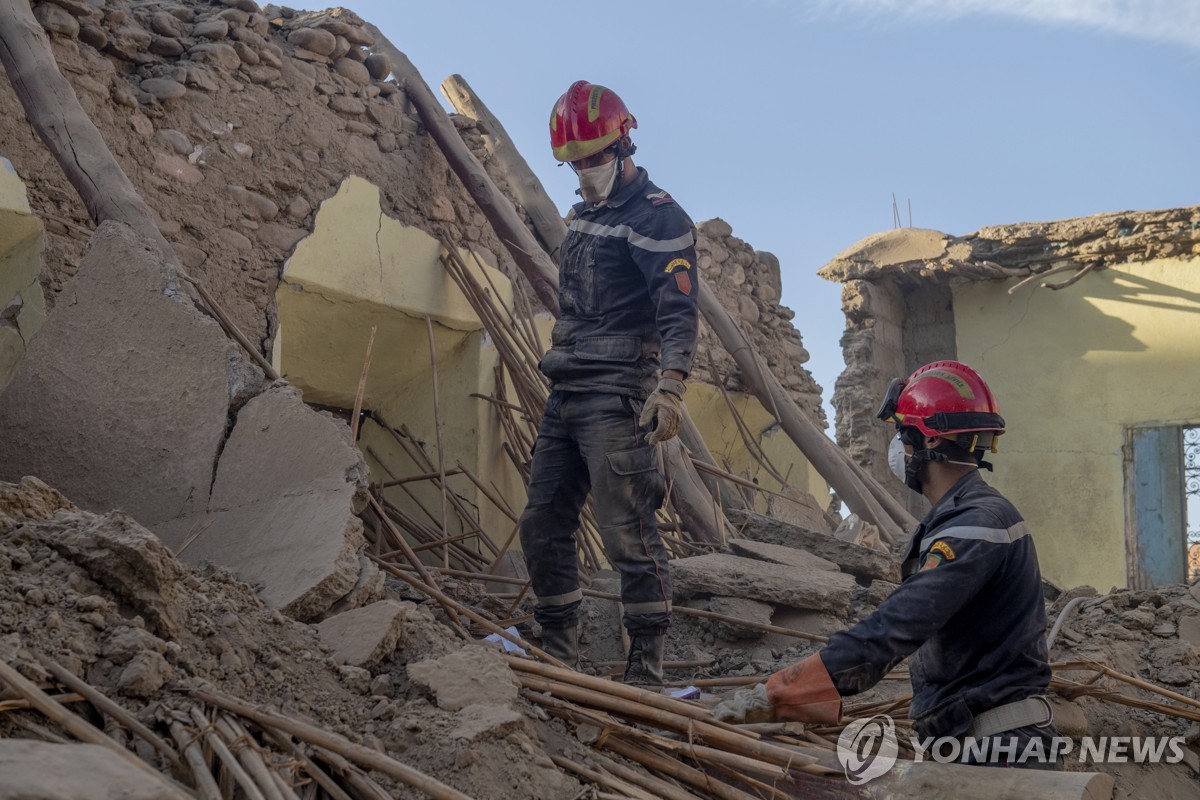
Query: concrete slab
[[473, 675], [365, 636], [860, 562], [72, 772], [718, 574], [123, 397], [281, 514], [778, 554]]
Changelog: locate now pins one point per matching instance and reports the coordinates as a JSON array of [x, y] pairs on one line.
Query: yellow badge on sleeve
[[941, 547], [679, 263]]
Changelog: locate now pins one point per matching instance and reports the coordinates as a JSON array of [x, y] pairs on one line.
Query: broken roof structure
[[1092, 377]]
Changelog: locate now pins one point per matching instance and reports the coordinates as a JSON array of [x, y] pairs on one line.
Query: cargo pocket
[[625, 349], [639, 467]]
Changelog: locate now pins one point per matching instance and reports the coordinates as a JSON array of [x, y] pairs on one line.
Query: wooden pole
[[335, 743], [362, 386]]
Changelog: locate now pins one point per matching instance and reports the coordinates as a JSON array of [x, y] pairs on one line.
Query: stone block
[[860, 562], [473, 675], [749, 610], [365, 636], [718, 574], [778, 554]]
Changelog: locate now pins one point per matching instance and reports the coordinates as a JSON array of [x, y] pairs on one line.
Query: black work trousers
[[592, 441]]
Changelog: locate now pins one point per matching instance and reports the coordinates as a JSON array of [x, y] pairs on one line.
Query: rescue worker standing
[[969, 610], [627, 290]]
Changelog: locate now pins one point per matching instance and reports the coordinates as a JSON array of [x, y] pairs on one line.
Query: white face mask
[[596, 183], [897, 457]]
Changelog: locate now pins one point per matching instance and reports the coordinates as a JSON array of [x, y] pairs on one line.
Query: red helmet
[[943, 399], [587, 119]]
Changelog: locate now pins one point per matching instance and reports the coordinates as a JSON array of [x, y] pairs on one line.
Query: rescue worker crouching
[[627, 290], [969, 611]]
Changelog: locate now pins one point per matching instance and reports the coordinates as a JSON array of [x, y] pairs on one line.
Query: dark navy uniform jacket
[[970, 607], [627, 286]]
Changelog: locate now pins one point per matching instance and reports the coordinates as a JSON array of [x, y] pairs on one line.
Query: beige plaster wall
[[22, 306], [1072, 369]]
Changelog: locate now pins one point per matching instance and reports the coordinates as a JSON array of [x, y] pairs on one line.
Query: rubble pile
[[101, 596]]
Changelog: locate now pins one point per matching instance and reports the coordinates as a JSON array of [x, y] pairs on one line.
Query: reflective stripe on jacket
[[971, 609], [627, 287]]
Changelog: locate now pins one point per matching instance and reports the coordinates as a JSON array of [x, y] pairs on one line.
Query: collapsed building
[[272, 460], [1090, 375]]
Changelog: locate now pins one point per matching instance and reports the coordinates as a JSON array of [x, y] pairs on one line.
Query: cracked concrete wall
[[1071, 370], [131, 398], [22, 305]]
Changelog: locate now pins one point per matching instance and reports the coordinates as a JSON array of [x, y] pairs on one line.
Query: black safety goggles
[[887, 409]]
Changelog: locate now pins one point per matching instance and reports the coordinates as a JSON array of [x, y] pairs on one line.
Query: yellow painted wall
[[21, 238], [716, 424], [1072, 369], [361, 269]]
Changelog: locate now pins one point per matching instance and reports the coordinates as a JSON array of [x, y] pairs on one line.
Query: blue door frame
[[1155, 508]]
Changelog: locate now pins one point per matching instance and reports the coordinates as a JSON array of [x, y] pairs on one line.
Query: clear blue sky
[[796, 121]]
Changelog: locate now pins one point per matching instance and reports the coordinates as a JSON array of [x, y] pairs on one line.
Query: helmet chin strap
[[924, 455]]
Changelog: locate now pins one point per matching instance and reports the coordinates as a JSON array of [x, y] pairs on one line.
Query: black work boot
[[563, 644], [645, 664]]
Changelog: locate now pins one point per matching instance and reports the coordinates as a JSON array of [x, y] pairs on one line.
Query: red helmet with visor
[[945, 399]]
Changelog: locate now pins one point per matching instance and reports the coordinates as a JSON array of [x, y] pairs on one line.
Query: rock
[[163, 88], [765, 294], [740, 607], [718, 574], [144, 675], [309, 56], [385, 115], [246, 54], [360, 128], [234, 16], [1137, 620], [218, 54], [165, 24], [93, 36], [474, 675], [175, 140], [341, 48], [387, 142], [192, 257], [378, 66], [177, 168], [441, 209], [72, 772], [242, 149], [479, 722], [353, 70], [716, 228], [280, 237], [748, 310], [344, 104], [76, 8], [365, 636], [357, 679], [359, 37], [381, 685], [214, 29], [314, 40], [879, 591], [859, 561], [164, 46], [142, 124], [56, 19], [778, 554], [29, 500], [298, 209], [258, 206], [233, 240]]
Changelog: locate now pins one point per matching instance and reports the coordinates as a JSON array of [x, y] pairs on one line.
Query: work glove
[[745, 705], [664, 410]]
